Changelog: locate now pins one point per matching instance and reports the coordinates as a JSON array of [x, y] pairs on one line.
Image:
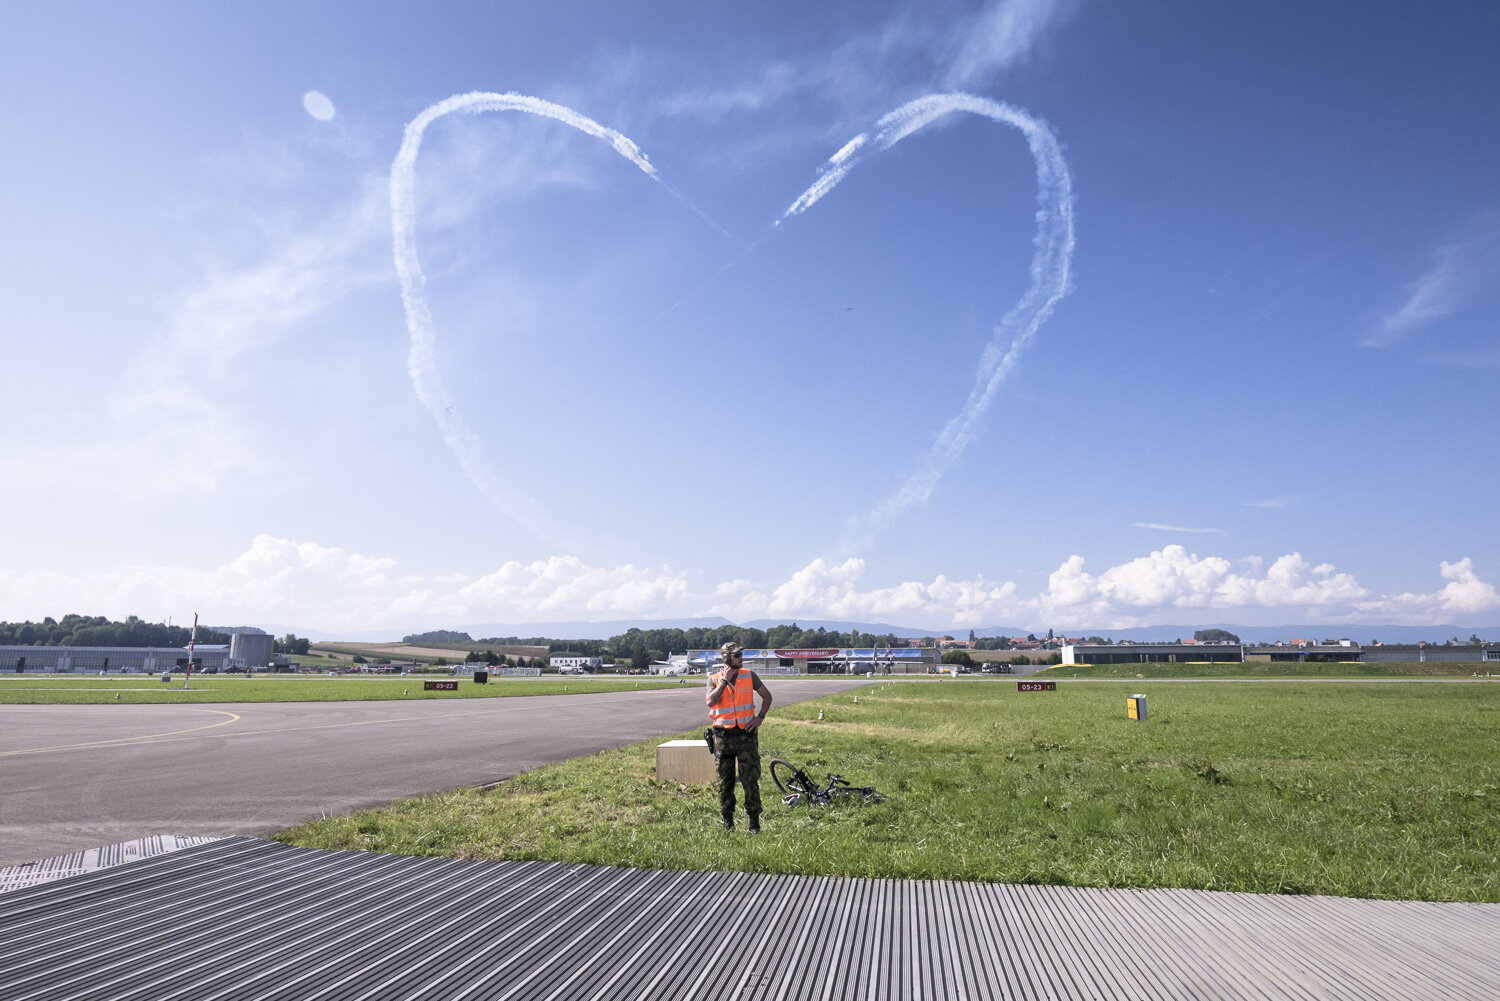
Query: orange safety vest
[[736, 706]]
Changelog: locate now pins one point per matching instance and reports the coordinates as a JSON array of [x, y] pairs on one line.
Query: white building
[[576, 665]]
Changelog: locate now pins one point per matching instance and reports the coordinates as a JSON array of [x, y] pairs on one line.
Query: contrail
[[1049, 281], [422, 365], [1050, 277]]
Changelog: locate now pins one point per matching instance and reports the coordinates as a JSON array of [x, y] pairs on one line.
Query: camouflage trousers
[[737, 749]]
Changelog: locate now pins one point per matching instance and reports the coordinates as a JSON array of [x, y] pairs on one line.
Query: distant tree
[[438, 636], [958, 657], [292, 644], [1215, 636], [640, 660]]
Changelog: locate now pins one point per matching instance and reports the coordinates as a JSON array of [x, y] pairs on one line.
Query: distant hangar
[[1237, 653]]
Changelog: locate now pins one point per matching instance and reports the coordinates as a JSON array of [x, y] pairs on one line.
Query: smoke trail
[[422, 360], [1050, 269]]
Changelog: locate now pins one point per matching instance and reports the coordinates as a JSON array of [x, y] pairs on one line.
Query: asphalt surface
[[79, 777]]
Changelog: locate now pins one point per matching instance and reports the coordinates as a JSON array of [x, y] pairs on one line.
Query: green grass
[[1369, 790], [1275, 669], [206, 688]]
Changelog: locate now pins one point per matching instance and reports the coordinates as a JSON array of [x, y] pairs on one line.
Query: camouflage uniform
[[736, 747]]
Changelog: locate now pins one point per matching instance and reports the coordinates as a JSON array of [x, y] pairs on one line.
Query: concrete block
[[686, 761]]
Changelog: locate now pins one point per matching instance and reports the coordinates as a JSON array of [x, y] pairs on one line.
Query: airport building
[[1296, 651], [252, 651], [1153, 653], [576, 665], [1341, 651], [1421, 653], [110, 659]]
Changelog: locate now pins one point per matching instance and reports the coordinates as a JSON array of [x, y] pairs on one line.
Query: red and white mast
[[192, 641]]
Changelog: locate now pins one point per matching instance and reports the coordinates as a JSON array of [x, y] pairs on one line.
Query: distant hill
[[589, 630], [881, 628], [1362, 634]]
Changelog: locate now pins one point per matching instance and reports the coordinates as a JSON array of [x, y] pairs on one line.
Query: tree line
[[646, 644], [438, 636], [780, 637], [96, 630]]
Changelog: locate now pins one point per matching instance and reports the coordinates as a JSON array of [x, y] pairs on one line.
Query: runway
[[79, 777]]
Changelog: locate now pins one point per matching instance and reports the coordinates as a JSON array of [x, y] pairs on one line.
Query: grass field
[[1377, 790], [138, 689]]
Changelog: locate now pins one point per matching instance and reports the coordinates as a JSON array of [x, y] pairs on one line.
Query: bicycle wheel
[[789, 778]]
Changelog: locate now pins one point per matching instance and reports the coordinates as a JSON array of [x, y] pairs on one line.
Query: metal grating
[[245, 919], [13, 877]]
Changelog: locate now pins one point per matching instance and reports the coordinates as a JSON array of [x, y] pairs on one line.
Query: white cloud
[[824, 590], [176, 408], [1172, 579], [870, 70], [1464, 594], [1274, 502], [317, 104], [1003, 34], [1461, 270], [322, 589], [1176, 528]]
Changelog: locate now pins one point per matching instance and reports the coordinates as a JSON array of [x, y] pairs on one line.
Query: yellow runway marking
[[142, 739]]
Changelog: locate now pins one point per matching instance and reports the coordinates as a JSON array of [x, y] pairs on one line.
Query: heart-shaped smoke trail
[[1050, 273], [1049, 282], [421, 362]]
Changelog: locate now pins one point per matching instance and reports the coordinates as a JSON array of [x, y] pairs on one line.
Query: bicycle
[[798, 787]]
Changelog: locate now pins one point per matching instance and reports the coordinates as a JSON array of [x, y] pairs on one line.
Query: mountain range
[[1361, 633]]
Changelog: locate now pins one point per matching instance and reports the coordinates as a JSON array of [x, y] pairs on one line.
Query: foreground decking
[[241, 918]]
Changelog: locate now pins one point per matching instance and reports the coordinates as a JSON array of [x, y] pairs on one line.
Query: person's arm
[[720, 682], [765, 703]]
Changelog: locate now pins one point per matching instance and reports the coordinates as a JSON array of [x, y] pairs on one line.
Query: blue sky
[[1251, 380]]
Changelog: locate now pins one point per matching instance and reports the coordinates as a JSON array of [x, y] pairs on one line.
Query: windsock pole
[[192, 641]]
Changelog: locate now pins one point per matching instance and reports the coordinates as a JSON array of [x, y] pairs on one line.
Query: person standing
[[731, 705]]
